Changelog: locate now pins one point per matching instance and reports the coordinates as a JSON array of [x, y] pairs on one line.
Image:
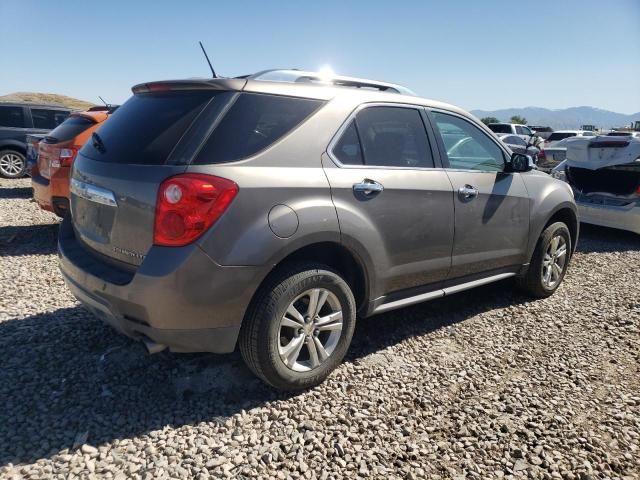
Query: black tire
[[532, 281], [260, 333], [8, 159]]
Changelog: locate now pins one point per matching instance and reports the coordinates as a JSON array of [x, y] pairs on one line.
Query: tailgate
[[113, 206]]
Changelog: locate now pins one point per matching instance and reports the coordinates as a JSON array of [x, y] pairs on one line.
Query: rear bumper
[[178, 297], [52, 194], [623, 218]]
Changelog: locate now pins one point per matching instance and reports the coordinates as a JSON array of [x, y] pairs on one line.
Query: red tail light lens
[[542, 155], [65, 157], [188, 205]]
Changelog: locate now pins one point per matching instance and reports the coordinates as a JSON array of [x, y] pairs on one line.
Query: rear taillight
[[188, 205], [65, 157], [542, 155]]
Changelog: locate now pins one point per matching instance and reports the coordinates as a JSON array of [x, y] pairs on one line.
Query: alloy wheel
[[554, 261], [11, 165], [310, 330]]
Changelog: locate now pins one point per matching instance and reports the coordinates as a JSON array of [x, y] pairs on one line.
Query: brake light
[[65, 157], [188, 205], [542, 155]]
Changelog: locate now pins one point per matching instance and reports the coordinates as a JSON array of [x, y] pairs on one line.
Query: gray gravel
[[484, 384]]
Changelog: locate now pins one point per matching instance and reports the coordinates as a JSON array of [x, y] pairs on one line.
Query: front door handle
[[468, 192], [368, 187]]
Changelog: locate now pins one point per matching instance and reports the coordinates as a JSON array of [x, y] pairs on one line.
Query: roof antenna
[[213, 72], [105, 103]]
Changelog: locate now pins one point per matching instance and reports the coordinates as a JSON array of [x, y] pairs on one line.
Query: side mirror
[[520, 163]]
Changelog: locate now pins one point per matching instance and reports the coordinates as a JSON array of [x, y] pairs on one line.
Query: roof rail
[[299, 76]]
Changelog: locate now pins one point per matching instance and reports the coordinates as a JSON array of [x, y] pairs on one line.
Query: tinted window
[[513, 140], [253, 123], [69, 129], [588, 134], [560, 136], [500, 128], [146, 128], [12, 117], [520, 131], [348, 150], [618, 134], [47, 119], [466, 146], [394, 137]]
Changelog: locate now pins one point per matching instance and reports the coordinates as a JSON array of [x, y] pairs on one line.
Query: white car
[[562, 134], [522, 131], [604, 173]]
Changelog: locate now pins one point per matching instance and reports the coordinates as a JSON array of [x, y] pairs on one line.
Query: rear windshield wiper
[[98, 144]]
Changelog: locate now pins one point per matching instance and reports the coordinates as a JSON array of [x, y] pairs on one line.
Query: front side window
[[466, 146], [386, 137], [527, 131], [12, 117], [520, 130]]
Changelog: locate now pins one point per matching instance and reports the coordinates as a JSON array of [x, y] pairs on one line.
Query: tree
[[488, 120], [519, 119]]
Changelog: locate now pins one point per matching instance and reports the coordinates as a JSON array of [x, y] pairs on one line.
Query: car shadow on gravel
[[66, 377], [602, 239], [16, 192], [38, 239]]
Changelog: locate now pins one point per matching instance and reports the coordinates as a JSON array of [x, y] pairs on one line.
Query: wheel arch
[[334, 255]]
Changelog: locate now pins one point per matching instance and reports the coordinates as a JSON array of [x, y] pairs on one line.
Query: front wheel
[[12, 164], [549, 262], [299, 327]]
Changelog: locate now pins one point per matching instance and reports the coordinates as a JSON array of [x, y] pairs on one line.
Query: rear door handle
[[368, 187], [468, 192]]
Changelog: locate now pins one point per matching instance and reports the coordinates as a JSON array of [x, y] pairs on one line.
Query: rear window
[[560, 136], [69, 129], [12, 117], [618, 134], [146, 128], [253, 123], [500, 128]]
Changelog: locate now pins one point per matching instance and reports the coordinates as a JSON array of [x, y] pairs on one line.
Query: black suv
[[17, 120]]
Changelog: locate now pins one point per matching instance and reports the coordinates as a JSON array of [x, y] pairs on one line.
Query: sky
[[487, 54]]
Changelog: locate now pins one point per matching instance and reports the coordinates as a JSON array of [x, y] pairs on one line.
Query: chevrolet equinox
[[272, 210]]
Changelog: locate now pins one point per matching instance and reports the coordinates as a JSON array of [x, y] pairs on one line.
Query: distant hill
[[50, 98], [569, 118]]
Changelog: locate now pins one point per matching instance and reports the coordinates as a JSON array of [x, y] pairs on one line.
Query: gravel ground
[[483, 384]]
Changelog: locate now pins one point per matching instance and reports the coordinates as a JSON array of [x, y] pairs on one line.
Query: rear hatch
[[117, 173], [57, 148], [604, 169]]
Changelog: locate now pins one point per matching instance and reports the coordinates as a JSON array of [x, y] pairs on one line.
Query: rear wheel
[[299, 327], [549, 262], [12, 164]]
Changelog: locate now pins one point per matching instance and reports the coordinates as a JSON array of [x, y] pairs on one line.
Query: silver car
[[274, 209]]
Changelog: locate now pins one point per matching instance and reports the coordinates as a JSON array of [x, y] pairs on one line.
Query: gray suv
[[271, 210]]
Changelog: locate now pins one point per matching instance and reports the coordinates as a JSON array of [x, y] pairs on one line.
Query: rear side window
[[500, 128], [69, 129], [12, 117], [47, 119], [385, 137], [146, 128], [253, 123], [560, 136]]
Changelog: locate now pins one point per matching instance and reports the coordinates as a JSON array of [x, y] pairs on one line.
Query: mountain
[[49, 98], [568, 118]]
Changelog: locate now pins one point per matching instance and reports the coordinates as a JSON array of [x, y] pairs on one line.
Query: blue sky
[[485, 54]]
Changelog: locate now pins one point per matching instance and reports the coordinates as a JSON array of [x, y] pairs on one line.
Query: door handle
[[368, 187], [468, 192]]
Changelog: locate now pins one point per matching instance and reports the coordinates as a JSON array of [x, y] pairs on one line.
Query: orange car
[[50, 174]]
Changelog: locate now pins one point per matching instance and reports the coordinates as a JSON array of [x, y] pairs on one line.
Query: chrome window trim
[[336, 137]]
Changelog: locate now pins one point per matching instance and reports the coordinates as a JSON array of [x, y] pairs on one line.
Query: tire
[[13, 164], [534, 282], [270, 331]]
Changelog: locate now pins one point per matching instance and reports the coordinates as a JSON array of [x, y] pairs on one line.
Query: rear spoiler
[[234, 84]]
